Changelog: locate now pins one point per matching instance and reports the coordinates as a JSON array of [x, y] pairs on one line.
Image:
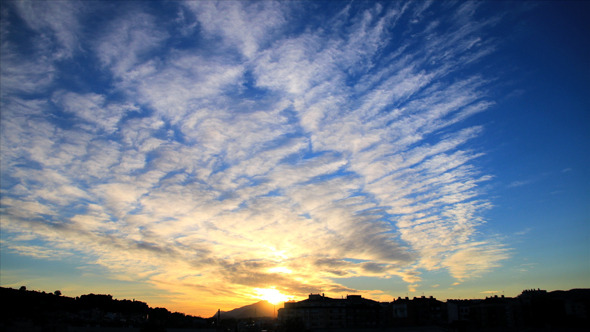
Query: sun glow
[[280, 269], [271, 295]]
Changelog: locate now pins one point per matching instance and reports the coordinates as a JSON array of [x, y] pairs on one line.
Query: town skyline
[[533, 309], [240, 314], [200, 155]]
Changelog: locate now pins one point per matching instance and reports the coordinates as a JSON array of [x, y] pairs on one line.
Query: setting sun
[[271, 295]]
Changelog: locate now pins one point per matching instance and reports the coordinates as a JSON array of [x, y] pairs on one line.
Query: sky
[[202, 155]]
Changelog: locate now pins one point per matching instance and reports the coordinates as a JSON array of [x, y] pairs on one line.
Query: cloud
[[36, 252], [55, 23], [519, 183], [127, 41], [91, 108], [245, 26], [213, 161], [474, 259], [20, 74], [523, 232]]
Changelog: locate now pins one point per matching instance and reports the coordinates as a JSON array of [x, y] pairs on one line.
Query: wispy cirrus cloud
[[315, 153], [55, 24], [233, 22]]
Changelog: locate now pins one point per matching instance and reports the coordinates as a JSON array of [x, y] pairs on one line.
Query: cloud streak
[[274, 155]]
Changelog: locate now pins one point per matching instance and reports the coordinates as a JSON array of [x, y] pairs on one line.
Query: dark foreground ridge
[[532, 310], [24, 310]]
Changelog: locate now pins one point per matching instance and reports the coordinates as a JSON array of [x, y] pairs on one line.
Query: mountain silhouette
[[255, 310]]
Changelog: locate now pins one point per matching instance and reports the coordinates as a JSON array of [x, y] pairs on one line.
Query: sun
[[271, 295]]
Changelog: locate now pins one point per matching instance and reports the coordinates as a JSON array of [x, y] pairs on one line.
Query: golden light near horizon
[[280, 269], [272, 295]]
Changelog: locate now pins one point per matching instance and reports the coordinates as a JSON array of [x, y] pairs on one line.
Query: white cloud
[[183, 85], [473, 259], [56, 20], [318, 152], [92, 108], [244, 25], [127, 42]]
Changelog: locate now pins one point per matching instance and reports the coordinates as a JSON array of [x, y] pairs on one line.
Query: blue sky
[[196, 155]]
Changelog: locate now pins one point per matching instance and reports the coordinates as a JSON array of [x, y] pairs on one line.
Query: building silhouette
[[532, 310], [321, 312], [417, 312]]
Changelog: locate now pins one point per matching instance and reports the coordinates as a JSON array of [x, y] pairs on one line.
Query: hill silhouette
[[255, 310]]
